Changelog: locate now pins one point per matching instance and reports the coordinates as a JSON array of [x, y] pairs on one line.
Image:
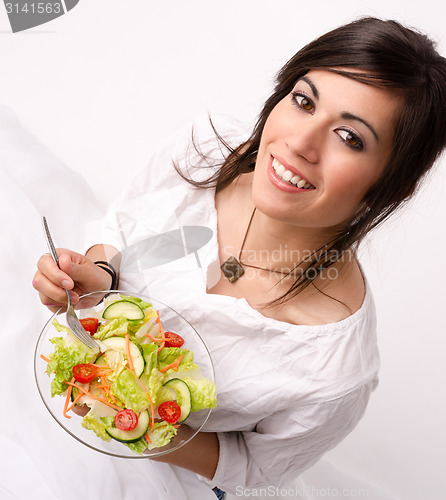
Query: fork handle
[[49, 241]]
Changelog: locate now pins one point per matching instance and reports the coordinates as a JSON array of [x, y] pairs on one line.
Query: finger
[[48, 289], [49, 268], [67, 267], [51, 304]]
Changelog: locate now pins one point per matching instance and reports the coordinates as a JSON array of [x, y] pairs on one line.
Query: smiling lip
[[280, 183]]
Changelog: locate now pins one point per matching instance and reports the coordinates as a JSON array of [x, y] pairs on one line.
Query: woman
[[355, 122]]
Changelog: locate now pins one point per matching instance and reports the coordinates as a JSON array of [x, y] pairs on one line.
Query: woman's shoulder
[[339, 294]]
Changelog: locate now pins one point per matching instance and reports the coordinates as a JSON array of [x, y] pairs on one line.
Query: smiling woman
[[354, 123], [379, 88], [311, 135]]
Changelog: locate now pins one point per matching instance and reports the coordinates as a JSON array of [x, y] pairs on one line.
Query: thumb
[[70, 264]]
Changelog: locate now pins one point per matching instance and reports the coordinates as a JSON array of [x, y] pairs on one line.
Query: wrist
[[108, 268]]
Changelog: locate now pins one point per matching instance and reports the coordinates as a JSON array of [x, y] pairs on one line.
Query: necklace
[[233, 268]]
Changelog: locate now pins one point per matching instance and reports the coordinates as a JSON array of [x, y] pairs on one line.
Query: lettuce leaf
[[129, 392], [161, 434], [168, 355], [117, 326], [62, 360], [138, 447], [203, 393], [97, 425], [150, 354], [139, 302]]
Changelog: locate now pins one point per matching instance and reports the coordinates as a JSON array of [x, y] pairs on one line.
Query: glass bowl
[[171, 321]]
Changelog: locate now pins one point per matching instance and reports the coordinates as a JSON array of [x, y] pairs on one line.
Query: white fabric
[[38, 459], [286, 393]]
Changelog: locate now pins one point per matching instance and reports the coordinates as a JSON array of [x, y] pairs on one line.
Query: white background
[[103, 84]]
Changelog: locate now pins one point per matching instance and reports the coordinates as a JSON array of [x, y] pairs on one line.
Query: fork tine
[[83, 336]]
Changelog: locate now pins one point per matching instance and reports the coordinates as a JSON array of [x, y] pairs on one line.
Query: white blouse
[[286, 393]]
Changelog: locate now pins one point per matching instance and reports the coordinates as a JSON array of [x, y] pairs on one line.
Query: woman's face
[[323, 146]]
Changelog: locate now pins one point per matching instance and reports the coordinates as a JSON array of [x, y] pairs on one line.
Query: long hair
[[384, 54]]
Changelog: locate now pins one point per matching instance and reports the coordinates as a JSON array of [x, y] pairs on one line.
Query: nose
[[306, 140]]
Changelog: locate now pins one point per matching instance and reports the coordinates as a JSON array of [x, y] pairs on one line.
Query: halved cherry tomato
[[84, 373], [174, 340], [126, 420], [90, 324], [169, 411]]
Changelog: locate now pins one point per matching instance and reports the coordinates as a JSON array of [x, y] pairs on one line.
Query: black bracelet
[[106, 266]]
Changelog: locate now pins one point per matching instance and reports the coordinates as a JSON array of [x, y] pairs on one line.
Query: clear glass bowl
[[172, 321]]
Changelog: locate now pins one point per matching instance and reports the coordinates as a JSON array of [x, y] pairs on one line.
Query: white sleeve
[[286, 443]]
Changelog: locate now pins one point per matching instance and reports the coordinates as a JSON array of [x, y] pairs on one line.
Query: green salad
[[139, 386]]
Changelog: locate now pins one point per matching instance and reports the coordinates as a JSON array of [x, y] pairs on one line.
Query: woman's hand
[[77, 273]]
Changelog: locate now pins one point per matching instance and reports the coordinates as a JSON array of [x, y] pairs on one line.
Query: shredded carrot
[[152, 408], [102, 400], [173, 365], [156, 339], [127, 351], [76, 399], [67, 399], [147, 437], [158, 320], [45, 358]]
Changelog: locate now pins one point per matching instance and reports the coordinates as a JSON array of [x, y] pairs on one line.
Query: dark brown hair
[[384, 54]]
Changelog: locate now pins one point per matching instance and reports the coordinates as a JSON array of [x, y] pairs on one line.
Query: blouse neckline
[[243, 305]]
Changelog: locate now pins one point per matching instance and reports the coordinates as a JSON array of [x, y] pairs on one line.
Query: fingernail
[[66, 284]]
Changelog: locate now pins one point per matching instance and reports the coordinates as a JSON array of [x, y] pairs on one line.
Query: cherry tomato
[[126, 420], [84, 373], [169, 411], [174, 340], [90, 325]]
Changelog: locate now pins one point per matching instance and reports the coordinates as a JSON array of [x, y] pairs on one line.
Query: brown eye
[[350, 139], [303, 102], [306, 104]]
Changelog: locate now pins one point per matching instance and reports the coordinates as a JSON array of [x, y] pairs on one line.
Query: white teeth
[[286, 176], [280, 170], [289, 176]]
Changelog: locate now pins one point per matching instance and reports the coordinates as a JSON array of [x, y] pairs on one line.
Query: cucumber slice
[[74, 394], [133, 435], [123, 309], [183, 396], [118, 344], [101, 361]]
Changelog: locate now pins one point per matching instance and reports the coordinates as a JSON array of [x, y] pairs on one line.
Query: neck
[[276, 245]]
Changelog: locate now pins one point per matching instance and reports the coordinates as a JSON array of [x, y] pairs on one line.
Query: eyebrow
[[345, 115], [348, 116], [312, 86]]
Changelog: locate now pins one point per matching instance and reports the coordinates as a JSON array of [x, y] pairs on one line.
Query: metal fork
[[72, 319]]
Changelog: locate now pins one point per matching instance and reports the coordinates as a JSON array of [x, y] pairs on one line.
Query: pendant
[[232, 269]]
